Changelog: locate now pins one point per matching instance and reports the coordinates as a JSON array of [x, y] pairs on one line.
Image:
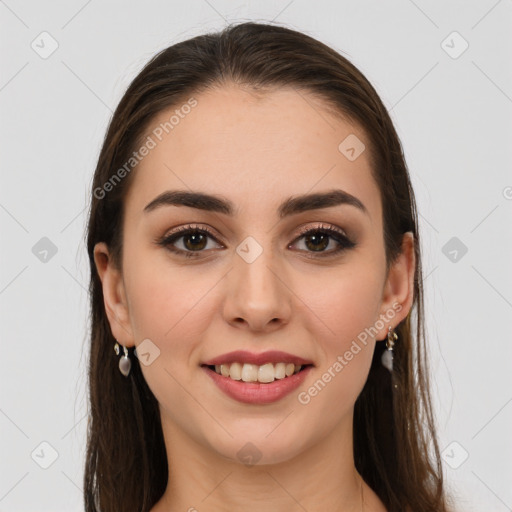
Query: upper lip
[[243, 356]]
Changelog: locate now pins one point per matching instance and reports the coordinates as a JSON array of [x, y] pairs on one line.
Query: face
[[307, 279]]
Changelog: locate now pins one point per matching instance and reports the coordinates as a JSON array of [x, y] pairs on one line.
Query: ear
[[114, 295], [398, 292]]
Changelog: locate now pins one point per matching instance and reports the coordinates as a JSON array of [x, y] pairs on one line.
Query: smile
[[253, 391], [264, 374]]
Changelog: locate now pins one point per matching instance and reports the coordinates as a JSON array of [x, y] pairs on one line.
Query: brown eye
[[193, 240], [318, 239]]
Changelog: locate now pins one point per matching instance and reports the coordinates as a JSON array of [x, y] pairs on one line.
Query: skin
[[256, 151]]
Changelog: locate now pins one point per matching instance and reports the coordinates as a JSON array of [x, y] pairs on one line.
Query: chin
[[262, 446]]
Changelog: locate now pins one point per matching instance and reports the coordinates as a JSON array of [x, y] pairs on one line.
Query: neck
[[323, 477]]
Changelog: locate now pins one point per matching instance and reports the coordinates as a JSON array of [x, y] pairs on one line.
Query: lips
[[256, 393], [271, 356]]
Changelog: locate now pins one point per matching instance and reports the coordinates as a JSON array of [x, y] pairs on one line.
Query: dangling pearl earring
[[387, 355], [124, 363]]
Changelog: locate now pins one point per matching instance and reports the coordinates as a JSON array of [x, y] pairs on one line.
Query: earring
[[124, 363], [387, 355]]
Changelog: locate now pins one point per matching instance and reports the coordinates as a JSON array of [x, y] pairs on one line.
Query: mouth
[[260, 374]]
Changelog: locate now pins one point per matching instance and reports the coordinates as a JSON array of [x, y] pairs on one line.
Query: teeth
[[280, 369], [234, 371], [254, 373], [290, 369], [249, 373], [266, 373]]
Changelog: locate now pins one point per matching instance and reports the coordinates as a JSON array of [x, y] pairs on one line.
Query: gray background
[[452, 111]]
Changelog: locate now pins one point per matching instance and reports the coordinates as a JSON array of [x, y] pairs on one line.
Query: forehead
[[255, 149]]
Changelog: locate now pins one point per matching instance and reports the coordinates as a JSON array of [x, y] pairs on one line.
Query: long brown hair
[[395, 447]]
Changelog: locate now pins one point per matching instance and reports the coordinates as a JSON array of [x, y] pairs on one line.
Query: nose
[[257, 295]]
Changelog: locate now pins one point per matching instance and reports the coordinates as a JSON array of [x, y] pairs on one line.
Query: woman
[[253, 242]]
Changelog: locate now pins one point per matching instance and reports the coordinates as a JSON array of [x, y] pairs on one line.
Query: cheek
[[347, 303], [172, 308], [165, 303], [347, 306]]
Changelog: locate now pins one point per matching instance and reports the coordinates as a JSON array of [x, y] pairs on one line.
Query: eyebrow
[[291, 206]]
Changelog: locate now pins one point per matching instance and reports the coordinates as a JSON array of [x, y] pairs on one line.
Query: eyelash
[[343, 241]]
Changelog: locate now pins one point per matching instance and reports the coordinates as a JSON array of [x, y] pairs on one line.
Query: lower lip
[[255, 392]]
